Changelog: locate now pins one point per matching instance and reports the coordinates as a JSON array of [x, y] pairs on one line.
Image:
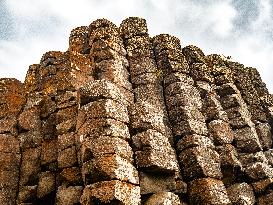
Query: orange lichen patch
[[31, 79], [12, 96]]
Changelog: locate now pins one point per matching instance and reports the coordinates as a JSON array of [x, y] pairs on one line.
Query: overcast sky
[[241, 29]]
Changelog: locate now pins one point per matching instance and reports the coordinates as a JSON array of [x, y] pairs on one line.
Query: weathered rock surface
[[123, 118]]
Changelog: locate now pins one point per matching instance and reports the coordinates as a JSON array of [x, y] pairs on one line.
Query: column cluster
[[106, 157]]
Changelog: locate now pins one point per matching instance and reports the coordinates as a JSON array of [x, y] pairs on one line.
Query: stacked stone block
[[152, 136], [246, 141], [198, 159], [106, 157], [12, 97]]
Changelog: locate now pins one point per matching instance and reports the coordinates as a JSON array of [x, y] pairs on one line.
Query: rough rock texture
[[125, 118]]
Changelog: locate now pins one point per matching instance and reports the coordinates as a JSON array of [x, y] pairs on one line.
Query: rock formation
[[125, 118]]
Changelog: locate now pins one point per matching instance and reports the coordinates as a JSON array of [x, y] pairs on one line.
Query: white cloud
[[45, 25]]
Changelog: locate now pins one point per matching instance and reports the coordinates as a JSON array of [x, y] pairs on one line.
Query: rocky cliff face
[[125, 118]]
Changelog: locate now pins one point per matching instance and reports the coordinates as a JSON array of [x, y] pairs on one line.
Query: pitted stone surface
[[122, 117]]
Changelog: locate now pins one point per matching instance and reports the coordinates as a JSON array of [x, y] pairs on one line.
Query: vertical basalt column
[[199, 161], [257, 168], [69, 179], [152, 136], [219, 130], [12, 97], [106, 157], [30, 136], [55, 81], [79, 50], [246, 140]]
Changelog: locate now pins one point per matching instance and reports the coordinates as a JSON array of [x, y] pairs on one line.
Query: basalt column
[[12, 97], [257, 168], [199, 161], [106, 157], [246, 140], [152, 136], [30, 135]]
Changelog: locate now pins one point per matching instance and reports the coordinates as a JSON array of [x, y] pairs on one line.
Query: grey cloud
[[6, 22]]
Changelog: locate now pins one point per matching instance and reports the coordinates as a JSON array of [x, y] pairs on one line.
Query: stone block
[[168, 66], [106, 41], [146, 78], [156, 160], [178, 77], [172, 54], [68, 195], [114, 71], [101, 89], [264, 133], [184, 113], [10, 161], [259, 170], [46, 184], [27, 194], [111, 192], [200, 71], [220, 131], [111, 167], [66, 126], [67, 157], [9, 143], [246, 140], [66, 140], [144, 51], [66, 114], [103, 127], [261, 186], [227, 89], [8, 196], [198, 162], [106, 108], [250, 158], [144, 115], [133, 26], [8, 124], [231, 101], [30, 139], [30, 166], [105, 54], [29, 119], [48, 128], [49, 152], [189, 127], [212, 108], [193, 54], [163, 198], [66, 99], [150, 93], [182, 94], [194, 140], [228, 156], [241, 194], [142, 65], [105, 145], [9, 179], [71, 176], [207, 191], [48, 106], [156, 182], [166, 42]]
